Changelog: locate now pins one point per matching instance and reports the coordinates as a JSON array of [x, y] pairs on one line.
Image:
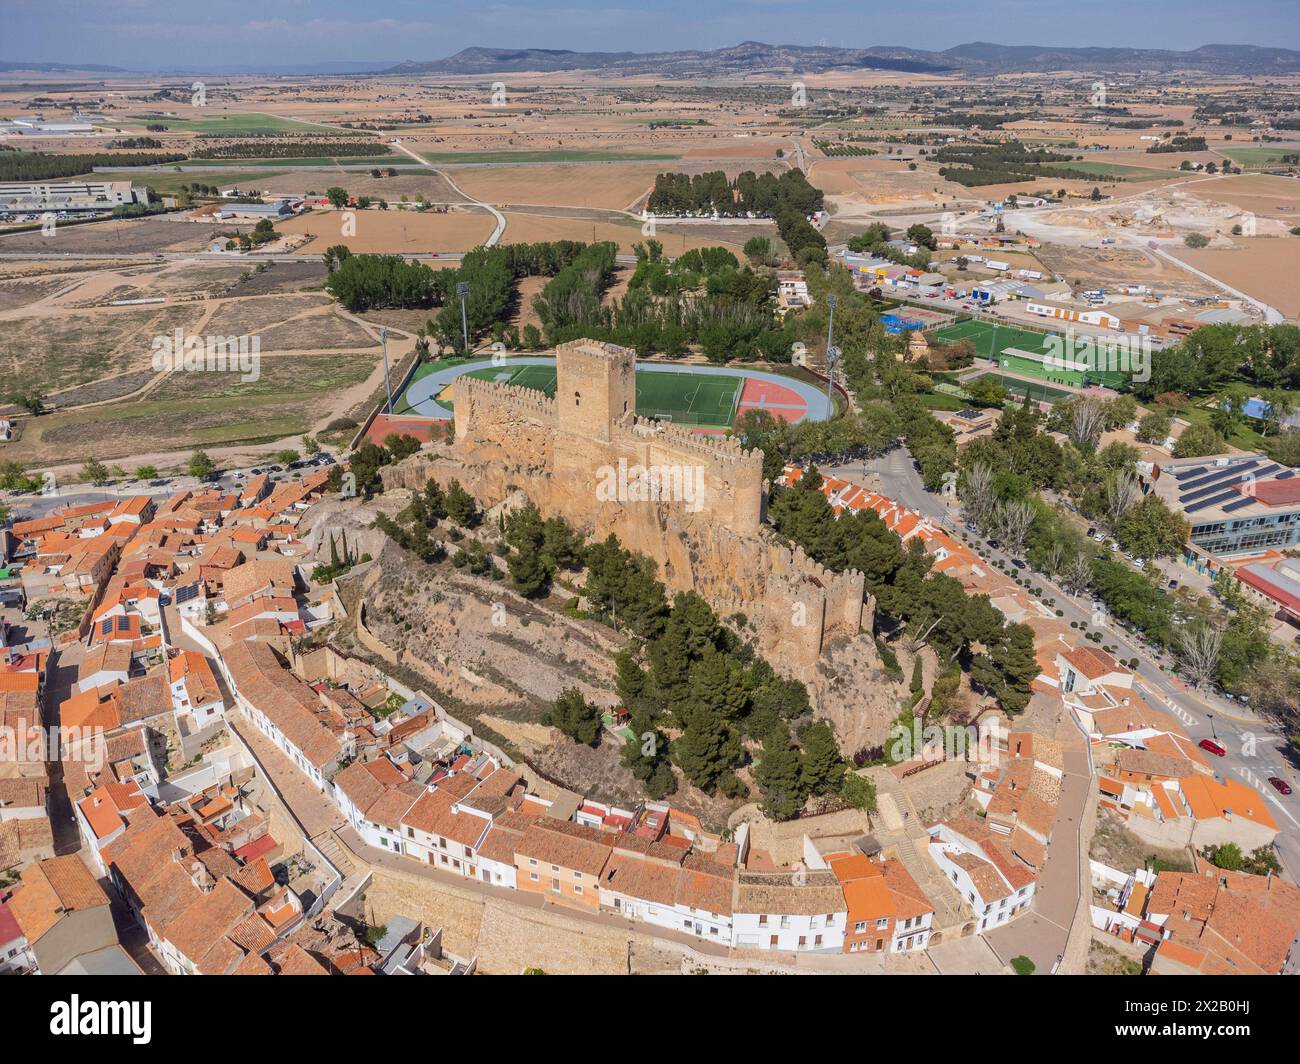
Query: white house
[[996, 885], [789, 911]]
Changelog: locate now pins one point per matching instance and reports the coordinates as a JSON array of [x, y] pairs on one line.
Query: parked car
[[1212, 747], [1018, 563], [1173, 584], [1280, 785]]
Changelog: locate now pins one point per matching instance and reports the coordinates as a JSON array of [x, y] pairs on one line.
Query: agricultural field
[[171, 181], [1264, 267], [1111, 171], [232, 125], [557, 155], [391, 231], [1260, 157], [125, 237], [842, 149], [614, 187]]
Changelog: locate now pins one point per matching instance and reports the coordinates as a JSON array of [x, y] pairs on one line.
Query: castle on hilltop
[[693, 503]]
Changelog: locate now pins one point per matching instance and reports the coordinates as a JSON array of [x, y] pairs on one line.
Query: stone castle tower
[[595, 388]]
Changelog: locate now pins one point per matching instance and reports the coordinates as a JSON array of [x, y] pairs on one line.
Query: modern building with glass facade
[[1235, 504]]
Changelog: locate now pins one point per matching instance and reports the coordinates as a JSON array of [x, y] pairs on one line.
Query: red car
[[1280, 784], [1212, 747]]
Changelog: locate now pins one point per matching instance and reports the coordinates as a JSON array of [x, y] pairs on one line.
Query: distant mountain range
[[341, 66], [58, 68], [754, 57], [776, 60]]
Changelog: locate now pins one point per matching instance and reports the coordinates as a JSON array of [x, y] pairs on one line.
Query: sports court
[[992, 338]]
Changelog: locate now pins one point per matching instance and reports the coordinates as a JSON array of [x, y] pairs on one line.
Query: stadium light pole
[[388, 388], [462, 291], [832, 352]]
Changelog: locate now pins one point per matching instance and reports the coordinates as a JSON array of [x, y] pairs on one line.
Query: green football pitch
[[991, 339], [688, 398]]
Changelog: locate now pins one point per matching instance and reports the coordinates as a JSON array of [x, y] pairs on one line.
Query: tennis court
[[690, 399], [991, 339]]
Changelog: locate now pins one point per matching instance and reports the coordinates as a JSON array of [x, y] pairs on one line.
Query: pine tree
[[435, 501], [575, 717], [717, 682], [461, 506], [779, 776], [695, 620], [823, 767], [705, 749], [529, 575]]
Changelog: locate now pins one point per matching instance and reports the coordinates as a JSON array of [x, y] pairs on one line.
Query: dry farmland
[[1264, 267], [391, 230]]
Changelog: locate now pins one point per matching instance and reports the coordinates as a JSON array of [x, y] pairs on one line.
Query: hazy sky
[[152, 34]]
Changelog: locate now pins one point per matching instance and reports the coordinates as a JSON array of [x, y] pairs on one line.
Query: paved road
[[500, 229], [1041, 933], [1256, 749]]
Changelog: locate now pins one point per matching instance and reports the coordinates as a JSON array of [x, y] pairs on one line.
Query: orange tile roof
[[1209, 799], [51, 888], [104, 806]]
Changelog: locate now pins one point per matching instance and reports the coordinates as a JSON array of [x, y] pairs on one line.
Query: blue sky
[[151, 34]]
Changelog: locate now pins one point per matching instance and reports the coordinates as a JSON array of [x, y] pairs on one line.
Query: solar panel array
[[1214, 500], [1222, 485], [1223, 472], [184, 594]]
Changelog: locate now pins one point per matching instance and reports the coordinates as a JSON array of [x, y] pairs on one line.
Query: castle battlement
[[799, 562], [725, 448], [526, 400], [612, 354]]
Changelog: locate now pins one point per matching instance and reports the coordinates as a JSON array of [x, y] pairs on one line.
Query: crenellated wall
[[518, 423]]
